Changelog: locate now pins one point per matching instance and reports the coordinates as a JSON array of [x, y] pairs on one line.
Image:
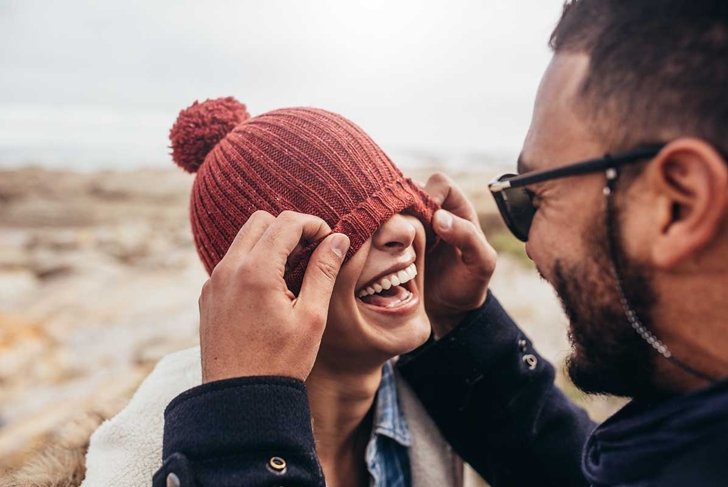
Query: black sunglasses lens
[[516, 208], [520, 211]]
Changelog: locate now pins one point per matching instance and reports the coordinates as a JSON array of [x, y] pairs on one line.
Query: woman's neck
[[341, 407]]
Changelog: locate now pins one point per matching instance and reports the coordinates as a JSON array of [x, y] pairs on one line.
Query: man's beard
[[608, 356]]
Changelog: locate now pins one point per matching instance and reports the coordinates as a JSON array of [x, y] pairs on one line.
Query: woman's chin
[[376, 336], [407, 336]]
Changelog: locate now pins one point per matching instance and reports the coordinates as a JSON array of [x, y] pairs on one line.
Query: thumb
[[463, 235], [320, 276]]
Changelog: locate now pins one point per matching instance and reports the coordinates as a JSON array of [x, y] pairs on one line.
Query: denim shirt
[[387, 452]]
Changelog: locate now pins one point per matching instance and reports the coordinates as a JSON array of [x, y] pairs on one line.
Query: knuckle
[[465, 228], [322, 227], [223, 274], [261, 215], [440, 177], [491, 264], [218, 274], [328, 269], [204, 292], [314, 316], [288, 215], [247, 273], [255, 278], [473, 232]]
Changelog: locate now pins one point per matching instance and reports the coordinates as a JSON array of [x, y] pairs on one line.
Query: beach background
[[99, 277]]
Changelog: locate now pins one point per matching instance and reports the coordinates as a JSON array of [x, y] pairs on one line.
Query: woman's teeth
[[394, 279]]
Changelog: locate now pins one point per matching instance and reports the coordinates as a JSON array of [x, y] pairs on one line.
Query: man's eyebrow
[[522, 166]]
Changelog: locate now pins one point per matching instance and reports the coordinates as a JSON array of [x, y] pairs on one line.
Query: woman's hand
[[250, 323], [458, 269]]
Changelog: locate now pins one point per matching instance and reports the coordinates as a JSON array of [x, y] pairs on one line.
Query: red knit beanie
[[301, 159]]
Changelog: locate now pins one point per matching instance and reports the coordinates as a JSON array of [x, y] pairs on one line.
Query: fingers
[[250, 324], [250, 233], [323, 267], [444, 191], [466, 237], [283, 235]]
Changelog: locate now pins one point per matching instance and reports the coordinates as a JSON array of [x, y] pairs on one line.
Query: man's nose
[[396, 234]]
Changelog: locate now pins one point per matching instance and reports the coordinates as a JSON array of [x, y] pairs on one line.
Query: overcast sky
[[103, 81]]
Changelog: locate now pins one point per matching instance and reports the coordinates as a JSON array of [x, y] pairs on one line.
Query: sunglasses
[[515, 201]]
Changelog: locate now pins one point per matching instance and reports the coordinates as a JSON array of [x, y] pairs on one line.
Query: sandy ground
[[99, 279]]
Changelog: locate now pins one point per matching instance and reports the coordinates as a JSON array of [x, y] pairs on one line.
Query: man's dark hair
[[658, 68]]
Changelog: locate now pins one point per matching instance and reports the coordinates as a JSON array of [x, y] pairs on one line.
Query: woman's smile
[[394, 292]]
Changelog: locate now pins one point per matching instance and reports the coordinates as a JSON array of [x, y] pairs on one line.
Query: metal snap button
[[530, 360], [173, 480], [277, 465]]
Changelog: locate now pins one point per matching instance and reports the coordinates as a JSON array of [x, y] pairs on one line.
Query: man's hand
[[250, 323], [458, 270]]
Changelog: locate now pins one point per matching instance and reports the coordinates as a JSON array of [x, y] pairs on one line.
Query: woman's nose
[[397, 234]]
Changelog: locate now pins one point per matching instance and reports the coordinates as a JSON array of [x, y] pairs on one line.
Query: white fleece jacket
[[126, 450]]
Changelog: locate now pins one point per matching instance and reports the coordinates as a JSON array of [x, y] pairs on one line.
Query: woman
[[369, 428]]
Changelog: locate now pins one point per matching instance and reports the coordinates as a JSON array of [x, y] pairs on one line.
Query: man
[[635, 243]]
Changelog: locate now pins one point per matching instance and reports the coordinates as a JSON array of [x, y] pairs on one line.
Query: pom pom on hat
[[200, 127]]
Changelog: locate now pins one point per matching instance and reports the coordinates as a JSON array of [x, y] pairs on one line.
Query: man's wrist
[[245, 403], [444, 322], [243, 431]]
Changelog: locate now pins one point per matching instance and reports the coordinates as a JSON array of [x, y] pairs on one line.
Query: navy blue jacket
[[489, 391]]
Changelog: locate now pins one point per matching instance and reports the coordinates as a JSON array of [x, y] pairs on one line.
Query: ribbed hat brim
[[400, 196]]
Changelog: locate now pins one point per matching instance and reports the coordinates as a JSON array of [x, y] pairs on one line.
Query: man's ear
[[690, 178]]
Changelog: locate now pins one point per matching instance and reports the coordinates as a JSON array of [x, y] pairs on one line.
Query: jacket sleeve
[[495, 401], [253, 431]]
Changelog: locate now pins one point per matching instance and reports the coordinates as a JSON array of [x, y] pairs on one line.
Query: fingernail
[[443, 219], [339, 245]]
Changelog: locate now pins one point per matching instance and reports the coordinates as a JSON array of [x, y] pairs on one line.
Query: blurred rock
[[15, 283]]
